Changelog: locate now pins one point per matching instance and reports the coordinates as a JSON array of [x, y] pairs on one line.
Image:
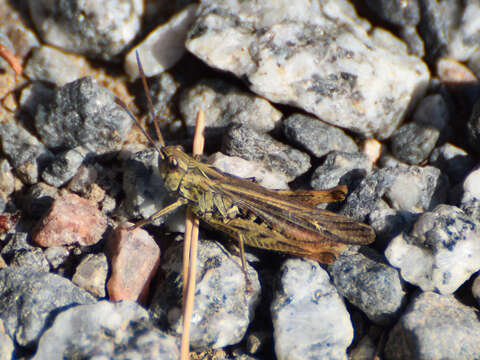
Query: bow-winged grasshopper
[[280, 220]]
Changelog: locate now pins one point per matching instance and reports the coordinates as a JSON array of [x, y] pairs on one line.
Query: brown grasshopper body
[[280, 220]]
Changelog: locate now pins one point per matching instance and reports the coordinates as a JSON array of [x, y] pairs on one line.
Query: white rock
[[310, 320], [249, 169], [163, 47], [464, 43], [441, 252], [314, 55]]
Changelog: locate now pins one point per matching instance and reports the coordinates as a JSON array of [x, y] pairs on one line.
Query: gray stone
[[38, 199], [143, 186], [245, 142], [314, 55], [396, 12], [83, 113], [56, 255], [464, 39], [224, 104], [16, 242], [26, 154], [438, 22], [341, 168], [453, 161], [64, 166], [162, 89], [369, 284], [106, 330], [388, 222], [309, 317], [473, 128], [432, 110], [99, 30], [91, 274], [413, 142], [6, 344], [440, 253], [409, 188], [316, 136], [224, 304], [435, 327], [34, 260], [28, 299]]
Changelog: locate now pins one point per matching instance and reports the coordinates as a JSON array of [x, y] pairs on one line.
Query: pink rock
[[134, 256], [71, 220]]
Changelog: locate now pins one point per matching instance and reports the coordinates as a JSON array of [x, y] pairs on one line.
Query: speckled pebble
[[435, 327]]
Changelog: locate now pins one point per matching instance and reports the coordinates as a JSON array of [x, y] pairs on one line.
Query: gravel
[[297, 95]]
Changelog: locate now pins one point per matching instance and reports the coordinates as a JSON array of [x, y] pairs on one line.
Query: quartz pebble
[[163, 47], [110, 330], [308, 305], [223, 307], [291, 55], [225, 104], [440, 253]]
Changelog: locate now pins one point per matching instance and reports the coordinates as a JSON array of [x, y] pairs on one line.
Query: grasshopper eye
[[172, 163]]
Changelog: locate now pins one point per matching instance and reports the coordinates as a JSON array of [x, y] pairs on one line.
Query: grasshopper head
[[173, 166]]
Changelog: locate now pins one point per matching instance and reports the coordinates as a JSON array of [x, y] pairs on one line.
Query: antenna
[[149, 100]]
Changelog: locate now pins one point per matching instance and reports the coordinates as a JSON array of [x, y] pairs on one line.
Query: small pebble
[[298, 61], [308, 307], [83, 113], [109, 330], [56, 256], [413, 142], [91, 274], [29, 299], [369, 284], [163, 47], [134, 257], [341, 168], [99, 30], [435, 327], [224, 302], [440, 253], [64, 167], [225, 104], [249, 169], [245, 142], [53, 65], [316, 136], [25, 153], [71, 220]]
